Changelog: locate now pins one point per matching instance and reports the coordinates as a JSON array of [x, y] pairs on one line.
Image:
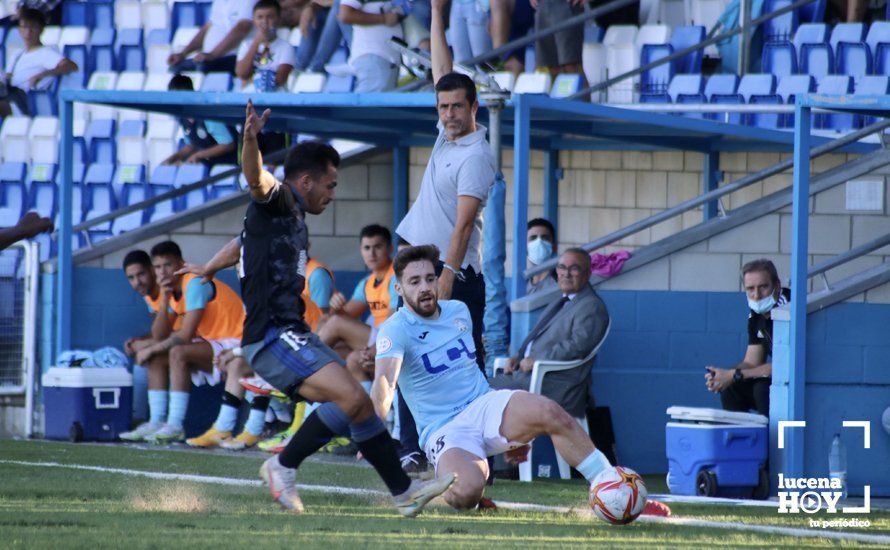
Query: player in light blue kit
[[461, 420]]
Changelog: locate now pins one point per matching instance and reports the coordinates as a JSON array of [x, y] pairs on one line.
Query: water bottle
[[264, 80], [837, 463]]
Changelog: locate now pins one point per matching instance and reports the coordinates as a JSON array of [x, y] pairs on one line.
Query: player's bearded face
[[420, 289]]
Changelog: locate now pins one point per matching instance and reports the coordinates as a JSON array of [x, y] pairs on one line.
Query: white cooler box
[[87, 404]]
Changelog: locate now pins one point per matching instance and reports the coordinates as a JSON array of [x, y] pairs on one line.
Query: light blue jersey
[[439, 375]]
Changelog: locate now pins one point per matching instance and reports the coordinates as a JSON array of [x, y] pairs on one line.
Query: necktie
[[544, 321]]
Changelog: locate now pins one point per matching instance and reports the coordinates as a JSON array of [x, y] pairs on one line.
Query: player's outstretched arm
[[260, 182], [383, 391], [441, 55], [226, 257]]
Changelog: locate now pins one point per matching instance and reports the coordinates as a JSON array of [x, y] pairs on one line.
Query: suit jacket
[[563, 335]]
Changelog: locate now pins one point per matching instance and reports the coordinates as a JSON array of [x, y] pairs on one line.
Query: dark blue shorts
[[287, 357]]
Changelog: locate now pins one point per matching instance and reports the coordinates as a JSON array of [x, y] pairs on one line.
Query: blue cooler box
[[87, 404], [709, 457]]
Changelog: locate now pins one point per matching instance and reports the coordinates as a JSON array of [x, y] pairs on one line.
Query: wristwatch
[[737, 376]]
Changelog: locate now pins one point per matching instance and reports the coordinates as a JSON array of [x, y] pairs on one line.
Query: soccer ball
[[618, 495]]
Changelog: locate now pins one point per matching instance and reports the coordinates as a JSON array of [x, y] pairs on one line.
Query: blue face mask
[[539, 251], [762, 306]]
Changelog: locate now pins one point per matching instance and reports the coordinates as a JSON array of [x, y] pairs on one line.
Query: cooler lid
[[716, 416], [57, 377]]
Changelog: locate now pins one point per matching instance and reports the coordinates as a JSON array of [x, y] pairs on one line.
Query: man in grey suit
[[568, 329]]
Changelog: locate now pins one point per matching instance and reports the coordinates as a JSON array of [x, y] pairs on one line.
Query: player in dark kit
[[277, 341]]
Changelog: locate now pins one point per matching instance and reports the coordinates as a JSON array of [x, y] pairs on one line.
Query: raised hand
[[197, 269], [254, 124]]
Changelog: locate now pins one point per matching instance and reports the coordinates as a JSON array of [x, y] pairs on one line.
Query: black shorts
[[564, 47]]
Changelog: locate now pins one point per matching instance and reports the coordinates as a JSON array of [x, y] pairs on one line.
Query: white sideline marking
[[521, 506]]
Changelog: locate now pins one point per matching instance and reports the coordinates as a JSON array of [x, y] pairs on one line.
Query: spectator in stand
[[51, 10], [374, 60], [541, 244], [510, 20], [32, 67], [265, 59], [291, 11], [30, 225], [469, 29], [559, 52], [322, 34], [217, 41], [209, 141]]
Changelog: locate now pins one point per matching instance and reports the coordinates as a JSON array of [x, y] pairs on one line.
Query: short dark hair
[[427, 252], [764, 265], [261, 4], [32, 16], [137, 256], [181, 82], [166, 248], [375, 230], [457, 81], [542, 222], [313, 157], [581, 253]]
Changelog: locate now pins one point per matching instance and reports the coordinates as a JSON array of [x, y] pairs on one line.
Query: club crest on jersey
[[460, 325], [384, 344]]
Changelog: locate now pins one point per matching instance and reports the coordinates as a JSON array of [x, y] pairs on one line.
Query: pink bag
[[608, 265]]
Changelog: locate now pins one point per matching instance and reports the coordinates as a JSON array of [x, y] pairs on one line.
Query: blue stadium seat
[[789, 88], [765, 120], [42, 194], [127, 174], [98, 193], [763, 88], [882, 59], [835, 85], [44, 102], [161, 181], [682, 38], [101, 14], [132, 193], [13, 195], [720, 86], [871, 85], [101, 53], [878, 33], [76, 13], [101, 145], [779, 58], [339, 84], [656, 80], [79, 54], [810, 33], [224, 186], [688, 86], [814, 12], [130, 52], [846, 32], [781, 28], [816, 60], [3, 32], [204, 6], [158, 36], [188, 174], [661, 97], [186, 13], [853, 59], [216, 82]]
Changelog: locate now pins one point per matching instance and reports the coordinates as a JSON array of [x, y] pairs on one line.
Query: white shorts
[[199, 377], [476, 429]]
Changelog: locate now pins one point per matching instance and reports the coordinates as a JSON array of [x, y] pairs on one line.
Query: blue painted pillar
[[64, 271], [400, 155], [552, 175], [792, 460], [710, 179], [521, 152]]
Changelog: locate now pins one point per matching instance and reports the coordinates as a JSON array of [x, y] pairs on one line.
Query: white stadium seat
[[133, 81], [621, 56], [309, 83], [51, 35], [155, 15], [160, 139], [533, 83], [183, 36], [102, 81], [15, 145], [505, 79], [73, 36], [128, 14], [44, 138]]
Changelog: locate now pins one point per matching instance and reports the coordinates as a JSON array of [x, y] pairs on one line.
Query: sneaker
[[243, 441], [167, 434], [655, 508], [334, 443], [411, 502], [276, 443], [486, 503], [210, 438], [416, 466], [141, 432], [282, 484]]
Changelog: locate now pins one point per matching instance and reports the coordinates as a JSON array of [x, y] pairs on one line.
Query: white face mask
[[539, 251], [762, 306]]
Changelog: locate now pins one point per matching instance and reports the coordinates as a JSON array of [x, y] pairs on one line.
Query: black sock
[[260, 402], [312, 436], [231, 400], [380, 452]]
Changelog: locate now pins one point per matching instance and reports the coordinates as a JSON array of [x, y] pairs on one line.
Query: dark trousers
[[225, 64], [747, 394], [469, 288]]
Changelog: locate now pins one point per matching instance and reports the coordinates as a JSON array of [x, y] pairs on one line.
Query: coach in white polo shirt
[[461, 170], [217, 41]]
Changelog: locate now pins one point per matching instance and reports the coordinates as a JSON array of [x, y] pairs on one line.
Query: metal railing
[[821, 268], [19, 268], [715, 194]]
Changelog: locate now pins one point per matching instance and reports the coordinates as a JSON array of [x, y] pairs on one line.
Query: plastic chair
[[835, 85], [871, 85], [846, 32], [853, 59], [781, 28], [217, 82], [44, 140], [308, 83], [14, 143], [130, 50], [188, 174], [186, 14], [683, 38], [224, 186], [816, 60], [42, 196], [128, 14], [132, 193], [779, 58], [533, 83], [99, 137], [13, 195], [101, 54], [131, 142], [656, 80], [127, 174]]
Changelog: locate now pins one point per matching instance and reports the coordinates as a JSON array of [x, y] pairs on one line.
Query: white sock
[[179, 404], [157, 406]]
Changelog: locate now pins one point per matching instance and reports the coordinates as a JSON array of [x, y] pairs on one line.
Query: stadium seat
[[128, 14], [13, 195], [44, 102], [216, 82], [342, 84], [156, 82], [101, 81], [756, 84], [101, 53], [871, 86], [130, 50], [186, 13], [687, 86], [51, 35], [224, 186], [99, 194], [160, 138], [42, 194], [80, 145], [155, 15], [705, 12], [565, 85], [308, 83], [878, 33], [779, 58], [14, 143], [44, 140], [130, 81], [882, 59], [99, 138], [75, 13], [12, 44], [533, 83], [814, 12], [810, 33], [188, 174], [721, 84], [846, 32], [131, 193], [835, 85], [73, 44], [182, 36], [682, 38], [101, 14], [131, 142], [656, 80], [816, 60], [157, 50], [651, 35], [621, 56], [781, 28], [853, 59], [127, 174], [205, 7], [161, 182]]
